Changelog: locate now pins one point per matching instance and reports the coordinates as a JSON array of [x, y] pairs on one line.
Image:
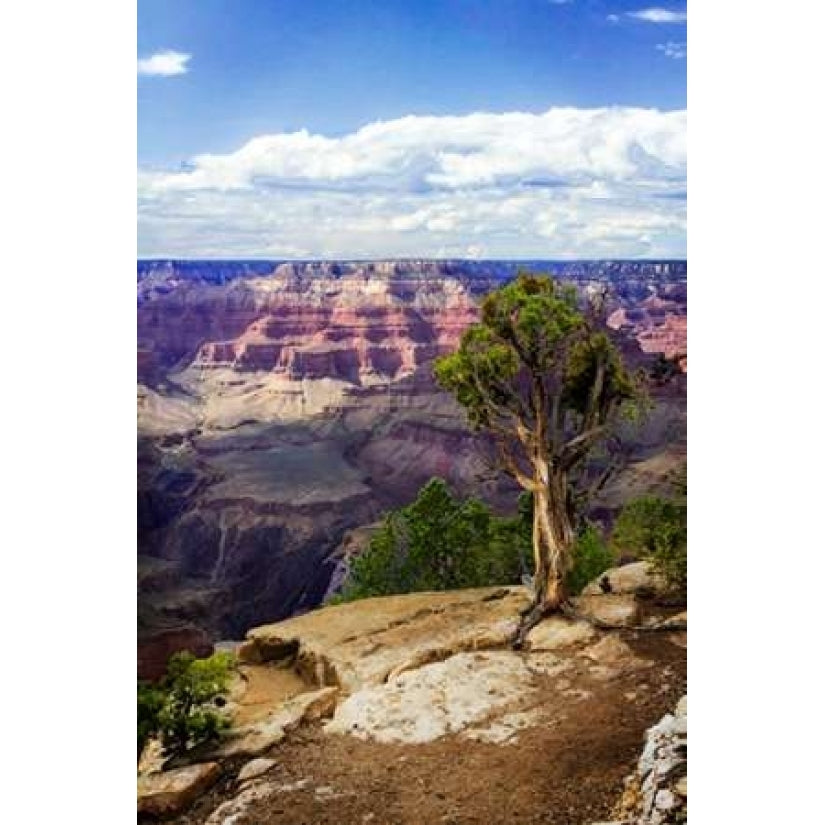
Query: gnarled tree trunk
[[553, 539]]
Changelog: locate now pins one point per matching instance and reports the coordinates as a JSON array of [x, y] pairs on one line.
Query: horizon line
[[253, 259]]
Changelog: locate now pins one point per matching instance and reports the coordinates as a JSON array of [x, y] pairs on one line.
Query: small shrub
[[655, 529], [591, 556], [183, 710], [150, 700]]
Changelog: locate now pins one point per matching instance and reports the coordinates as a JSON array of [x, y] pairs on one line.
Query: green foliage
[[532, 329], [149, 704], [439, 542], [591, 557], [183, 709], [655, 528]]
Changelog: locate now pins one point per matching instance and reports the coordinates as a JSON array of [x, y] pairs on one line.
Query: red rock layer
[[350, 327]]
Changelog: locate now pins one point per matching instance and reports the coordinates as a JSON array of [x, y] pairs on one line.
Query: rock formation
[[417, 704], [280, 406], [656, 792]]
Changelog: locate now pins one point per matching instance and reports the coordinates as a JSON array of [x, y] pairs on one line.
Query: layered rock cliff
[[280, 406]]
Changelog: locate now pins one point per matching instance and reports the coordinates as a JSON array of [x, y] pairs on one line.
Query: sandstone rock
[[427, 703], [365, 643], [259, 737], [676, 622], [546, 663], [557, 632], [611, 610], [170, 792], [613, 652], [152, 759], [505, 729], [629, 578], [664, 800], [255, 768], [231, 811]]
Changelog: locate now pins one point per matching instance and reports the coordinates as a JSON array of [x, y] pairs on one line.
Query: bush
[[591, 556], [655, 529], [184, 708], [439, 542], [149, 703]]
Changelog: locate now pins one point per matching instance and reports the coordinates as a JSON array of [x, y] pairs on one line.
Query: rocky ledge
[[423, 692]]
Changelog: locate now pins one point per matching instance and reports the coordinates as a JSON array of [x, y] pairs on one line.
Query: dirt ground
[[568, 771]]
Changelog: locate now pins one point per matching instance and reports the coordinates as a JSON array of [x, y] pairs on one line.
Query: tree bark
[[553, 538], [555, 541]]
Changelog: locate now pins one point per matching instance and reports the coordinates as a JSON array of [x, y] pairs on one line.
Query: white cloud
[[677, 51], [567, 182], [164, 64], [657, 15]]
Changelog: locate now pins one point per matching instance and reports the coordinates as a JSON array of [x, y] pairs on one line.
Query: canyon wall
[[282, 405]]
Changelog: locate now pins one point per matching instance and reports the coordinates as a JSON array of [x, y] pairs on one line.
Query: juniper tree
[[541, 376]]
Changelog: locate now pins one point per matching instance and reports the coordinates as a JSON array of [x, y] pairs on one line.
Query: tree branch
[[509, 462]]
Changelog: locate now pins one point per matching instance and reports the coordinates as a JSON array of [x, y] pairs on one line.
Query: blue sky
[[283, 128]]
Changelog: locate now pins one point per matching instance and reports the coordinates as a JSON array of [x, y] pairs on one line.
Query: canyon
[[282, 406]]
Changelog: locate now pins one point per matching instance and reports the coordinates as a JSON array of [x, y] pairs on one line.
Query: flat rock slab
[[437, 699], [366, 642], [610, 610], [170, 792]]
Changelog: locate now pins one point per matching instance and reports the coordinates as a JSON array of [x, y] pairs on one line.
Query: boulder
[[170, 792], [636, 577], [611, 610], [557, 632]]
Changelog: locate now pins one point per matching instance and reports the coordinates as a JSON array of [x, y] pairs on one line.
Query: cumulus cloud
[[164, 64], [567, 182], [677, 51], [657, 15]]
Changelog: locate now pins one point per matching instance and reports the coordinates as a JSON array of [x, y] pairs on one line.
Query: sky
[[411, 128]]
